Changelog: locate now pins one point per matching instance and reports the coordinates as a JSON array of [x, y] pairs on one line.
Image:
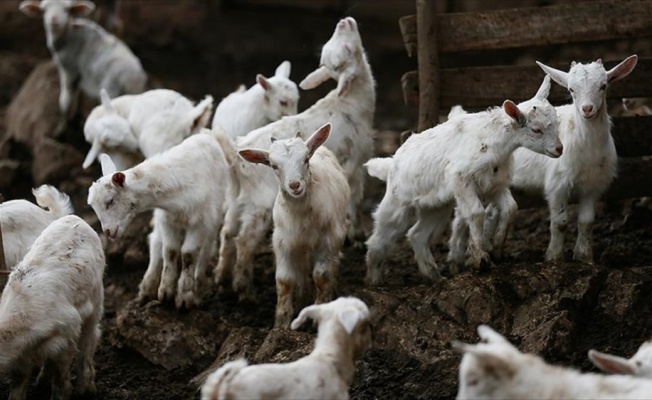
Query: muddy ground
[[556, 310]]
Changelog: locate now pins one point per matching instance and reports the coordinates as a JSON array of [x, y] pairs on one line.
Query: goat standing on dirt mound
[[51, 310], [326, 373], [310, 217], [186, 187], [350, 110], [460, 163], [87, 57], [589, 163]]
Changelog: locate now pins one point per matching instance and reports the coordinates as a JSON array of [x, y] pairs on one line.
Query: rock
[[8, 170], [33, 113], [53, 161], [282, 345], [168, 338]]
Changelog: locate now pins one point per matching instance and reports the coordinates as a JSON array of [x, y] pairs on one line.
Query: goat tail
[[58, 203], [379, 167], [217, 383], [228, 146]]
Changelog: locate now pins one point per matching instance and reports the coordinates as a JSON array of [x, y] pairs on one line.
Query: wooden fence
[[432, 36]]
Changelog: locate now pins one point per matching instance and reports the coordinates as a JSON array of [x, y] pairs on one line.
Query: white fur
[[350, 110], [310, 218], [22, 222], [146, 123], [640, 364], [51, 308], [267, 101], [186, 185], [462, 163], [589, 163], [87, 57], [494, 369], [326, 373]]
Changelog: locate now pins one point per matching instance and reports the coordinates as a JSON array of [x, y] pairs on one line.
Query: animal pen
[[435, 38]]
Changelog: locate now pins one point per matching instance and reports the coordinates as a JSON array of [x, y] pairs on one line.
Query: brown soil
[[152, 352]]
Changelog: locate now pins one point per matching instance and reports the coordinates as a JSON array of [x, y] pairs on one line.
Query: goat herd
[[262, 163]]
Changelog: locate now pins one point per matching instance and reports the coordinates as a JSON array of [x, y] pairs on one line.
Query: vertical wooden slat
[[3, 265], [428, 63]]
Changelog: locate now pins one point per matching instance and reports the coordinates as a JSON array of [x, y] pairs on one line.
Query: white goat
[[87, 57], [186, 186], [310, 219], [22, 221], [146, 123], [349, 108], [460, 163], [51, 309], [589, 163], [326, 373], [495, 369], [640, 364], [270, 99]]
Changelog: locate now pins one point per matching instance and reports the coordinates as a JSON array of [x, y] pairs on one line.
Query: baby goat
[[589, 163], [460, 163], [186, 186], [146, 123], [22, 222], [51, 310], [495, 369], [310, 217], [87, 57], [270, 99], [640, 364], [326, 373]]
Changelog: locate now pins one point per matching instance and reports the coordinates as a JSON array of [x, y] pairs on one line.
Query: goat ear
[[81, 8], [512, 110], [490, 336], [318, 138], [610, 363], [313, 312], [558, 76], [200, 114], [349, 319], [31, 8], [108, 167], [262, 81], [315, 78], [544, 89], [283, 69], [255, 156], [298, 135], [623, 69], [491, 361], [106, 101], [118, 179]]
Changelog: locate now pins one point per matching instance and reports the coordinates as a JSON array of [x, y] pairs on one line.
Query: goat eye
[[306, 161], [109, 204], [283, 103], [537, 131], [571, 90], [274, 167], [603, 87]]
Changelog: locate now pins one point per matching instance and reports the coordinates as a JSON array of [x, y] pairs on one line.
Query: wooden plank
[[479, 87], [4, 273], [634, 180], [524, 27], [428, 64]]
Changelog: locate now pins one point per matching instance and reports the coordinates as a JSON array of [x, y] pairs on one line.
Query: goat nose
[[560, 149], [294, 185], [587, 109]]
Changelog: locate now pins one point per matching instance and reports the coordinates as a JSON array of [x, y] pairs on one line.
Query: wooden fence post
[[428, 64], [4, 274]]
